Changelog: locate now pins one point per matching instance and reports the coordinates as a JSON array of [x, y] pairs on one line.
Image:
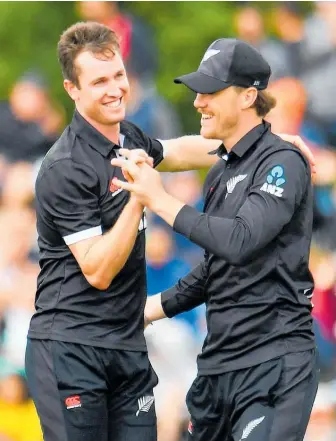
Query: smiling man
[[257, 376], [86, 360]]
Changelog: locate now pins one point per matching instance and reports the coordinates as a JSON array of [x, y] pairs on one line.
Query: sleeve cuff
[[185, 220], [70, 239], [164, 147], [169, 303], [160, 151]]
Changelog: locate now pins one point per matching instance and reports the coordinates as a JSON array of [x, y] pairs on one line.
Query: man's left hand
[[300, 144]]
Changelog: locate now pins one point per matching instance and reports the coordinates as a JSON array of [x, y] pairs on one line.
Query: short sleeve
[[154, 148], [68, 194]]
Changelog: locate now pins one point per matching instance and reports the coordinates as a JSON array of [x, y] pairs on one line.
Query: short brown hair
[[91, 36]]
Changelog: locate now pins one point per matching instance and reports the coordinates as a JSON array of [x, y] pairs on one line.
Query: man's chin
[[114, 117], [207, 134]]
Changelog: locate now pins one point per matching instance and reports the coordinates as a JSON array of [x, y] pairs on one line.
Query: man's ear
[[249, 96], [72, 89]]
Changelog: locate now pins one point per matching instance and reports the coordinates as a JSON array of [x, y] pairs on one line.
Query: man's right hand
[[138, 156], [146, 322], [153, 310]]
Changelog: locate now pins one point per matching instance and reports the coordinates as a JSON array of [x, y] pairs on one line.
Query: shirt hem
[[94, 343], [243, 363]]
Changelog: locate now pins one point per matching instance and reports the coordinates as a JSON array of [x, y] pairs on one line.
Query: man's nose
[[113, 91], [199, 100]]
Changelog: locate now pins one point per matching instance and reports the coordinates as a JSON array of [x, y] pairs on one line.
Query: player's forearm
[[108, 255], [166, 206], [230, 239], [234, 240], [188, 153], [188, 293], [153, 309]]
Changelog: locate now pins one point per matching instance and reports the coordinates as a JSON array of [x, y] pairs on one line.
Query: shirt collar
[[91, 135], [247, 141]]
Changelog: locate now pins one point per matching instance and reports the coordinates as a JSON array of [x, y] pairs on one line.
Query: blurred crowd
[[302, 54]]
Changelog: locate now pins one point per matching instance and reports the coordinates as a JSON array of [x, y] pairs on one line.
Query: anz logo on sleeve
[[274, 181]]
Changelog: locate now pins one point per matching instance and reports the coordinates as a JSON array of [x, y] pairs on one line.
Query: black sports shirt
[[75, 200], [256, 230]]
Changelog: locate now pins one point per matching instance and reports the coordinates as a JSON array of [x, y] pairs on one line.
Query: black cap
[[228, 62]]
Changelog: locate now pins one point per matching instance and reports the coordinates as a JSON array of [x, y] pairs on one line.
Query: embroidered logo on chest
[[231, 183]]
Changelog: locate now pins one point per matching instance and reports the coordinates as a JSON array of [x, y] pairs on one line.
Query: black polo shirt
[[75, 200], [256, 229]]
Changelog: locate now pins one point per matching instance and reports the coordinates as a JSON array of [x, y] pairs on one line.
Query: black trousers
[[85, 393], [268, 402]]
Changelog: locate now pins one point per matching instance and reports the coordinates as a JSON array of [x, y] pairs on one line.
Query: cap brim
[[201, 83]]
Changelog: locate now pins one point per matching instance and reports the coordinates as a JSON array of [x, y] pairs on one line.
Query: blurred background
[[160, 40]]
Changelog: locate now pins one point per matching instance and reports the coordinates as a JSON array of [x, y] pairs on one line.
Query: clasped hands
[[141, 178]]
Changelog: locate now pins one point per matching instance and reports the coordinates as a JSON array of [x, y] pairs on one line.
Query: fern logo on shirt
[[251, 426], [144, 404], [231, 183]]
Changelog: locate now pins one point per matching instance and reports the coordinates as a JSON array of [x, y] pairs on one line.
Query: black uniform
[[260, 349], [86, 360]]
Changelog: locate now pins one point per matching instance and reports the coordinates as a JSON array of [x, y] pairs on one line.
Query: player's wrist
[[147, 321], [157, 200], [136, 205]]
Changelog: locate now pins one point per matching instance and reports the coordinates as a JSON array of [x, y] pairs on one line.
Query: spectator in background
[[289, 26], [29, 121], [318, 59], [172, 350], [322, 264], [165, 267], [29, 124], [150, 111], [310, 45], [322, 424], [19, 421], [288, 117], [250, 28], [288, 114], [18, 275], [137, 42], [172, 344], [188, 188], [18, 418], [18, 186]]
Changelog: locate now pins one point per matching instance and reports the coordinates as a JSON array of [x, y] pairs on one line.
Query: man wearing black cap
[[257, 376]]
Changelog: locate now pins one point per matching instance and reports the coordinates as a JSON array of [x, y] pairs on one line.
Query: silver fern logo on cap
[[209, 53]]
